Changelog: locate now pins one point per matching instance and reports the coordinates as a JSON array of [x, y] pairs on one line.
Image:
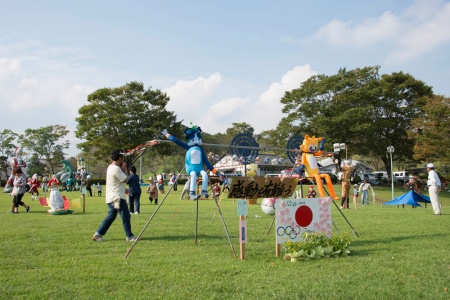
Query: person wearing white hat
[[88, 185], [434, 187]]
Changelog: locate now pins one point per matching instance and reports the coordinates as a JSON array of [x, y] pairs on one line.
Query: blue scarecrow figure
[[194, 160]]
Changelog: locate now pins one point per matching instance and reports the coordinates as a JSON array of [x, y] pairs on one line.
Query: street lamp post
[[391, 150], [339, 146]]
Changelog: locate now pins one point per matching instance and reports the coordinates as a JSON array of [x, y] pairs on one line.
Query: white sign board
[[295, 216]]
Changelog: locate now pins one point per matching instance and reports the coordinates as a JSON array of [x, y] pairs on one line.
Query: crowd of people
[[126, 201]]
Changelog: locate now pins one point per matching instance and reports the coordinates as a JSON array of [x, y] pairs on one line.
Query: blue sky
[[219, 61]]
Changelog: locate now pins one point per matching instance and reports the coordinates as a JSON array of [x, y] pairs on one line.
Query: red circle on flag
[[303, 216]]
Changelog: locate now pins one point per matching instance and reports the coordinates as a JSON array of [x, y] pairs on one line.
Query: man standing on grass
[[116, 177], [365, 192], [434, 187]]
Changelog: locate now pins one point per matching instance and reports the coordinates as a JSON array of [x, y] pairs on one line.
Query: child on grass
[[152, 190]]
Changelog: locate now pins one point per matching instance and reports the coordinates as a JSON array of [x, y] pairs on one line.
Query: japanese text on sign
[[261, 187]]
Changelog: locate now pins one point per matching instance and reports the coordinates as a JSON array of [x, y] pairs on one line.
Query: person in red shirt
[[34, 184], [311, 192]]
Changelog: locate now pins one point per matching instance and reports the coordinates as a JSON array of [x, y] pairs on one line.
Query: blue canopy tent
[[411, 198]]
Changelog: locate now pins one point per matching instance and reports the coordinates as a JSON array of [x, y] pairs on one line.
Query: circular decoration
[[268, 206], [243, 146], [303, 216], [294, 144]]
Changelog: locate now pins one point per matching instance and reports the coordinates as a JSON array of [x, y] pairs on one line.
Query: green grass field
[[401, 253]]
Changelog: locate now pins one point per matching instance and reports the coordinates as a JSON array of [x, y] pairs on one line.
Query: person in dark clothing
[[88, 185], [134, 191]]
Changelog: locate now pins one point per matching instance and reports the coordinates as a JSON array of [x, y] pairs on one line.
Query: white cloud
[[43, 86], [32, 93], [190, 95], [432, 31], [195, 101], [267, 112], [227, 106], [422, 27], [291, 80], [221, 114], [9, 67], [369, 32]]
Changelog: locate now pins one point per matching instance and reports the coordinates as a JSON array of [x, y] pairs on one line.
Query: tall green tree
[[237, 128], [35, 165], [7, 138], [45, 143], [431, 131], [361, 108], [122, 118]]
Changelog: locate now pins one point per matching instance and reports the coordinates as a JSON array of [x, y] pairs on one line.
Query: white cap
[[430, 165], [89, 176]]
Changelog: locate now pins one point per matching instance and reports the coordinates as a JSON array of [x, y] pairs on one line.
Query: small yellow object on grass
[[76, 203]]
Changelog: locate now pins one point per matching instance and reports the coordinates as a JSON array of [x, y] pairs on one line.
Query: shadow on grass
[[387, 241], [187, 237]]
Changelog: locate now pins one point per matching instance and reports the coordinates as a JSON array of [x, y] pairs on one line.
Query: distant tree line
[[361, 108]]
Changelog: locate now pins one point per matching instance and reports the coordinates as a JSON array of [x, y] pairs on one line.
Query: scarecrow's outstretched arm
[[174, 139]]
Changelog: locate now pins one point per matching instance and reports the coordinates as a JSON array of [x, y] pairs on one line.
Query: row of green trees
[[359, 107], [370, 112]]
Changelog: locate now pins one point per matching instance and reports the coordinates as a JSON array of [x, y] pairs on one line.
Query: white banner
[[295, 216]]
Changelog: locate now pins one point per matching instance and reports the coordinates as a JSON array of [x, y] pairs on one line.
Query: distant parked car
[[371, 178], [401, 177], [381, 175]]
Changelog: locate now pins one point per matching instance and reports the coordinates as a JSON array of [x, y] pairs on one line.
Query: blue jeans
[[365, 195], [135, 200], [112, 214]]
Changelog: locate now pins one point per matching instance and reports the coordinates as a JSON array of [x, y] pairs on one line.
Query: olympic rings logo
[[288, 232]]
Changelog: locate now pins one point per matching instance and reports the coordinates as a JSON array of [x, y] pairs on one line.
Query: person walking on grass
[[116, 178], [19, 183], [152, 190], [434, 187]]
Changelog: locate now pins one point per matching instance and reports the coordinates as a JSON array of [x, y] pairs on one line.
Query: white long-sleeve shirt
[[433, 179], [365, 187]]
